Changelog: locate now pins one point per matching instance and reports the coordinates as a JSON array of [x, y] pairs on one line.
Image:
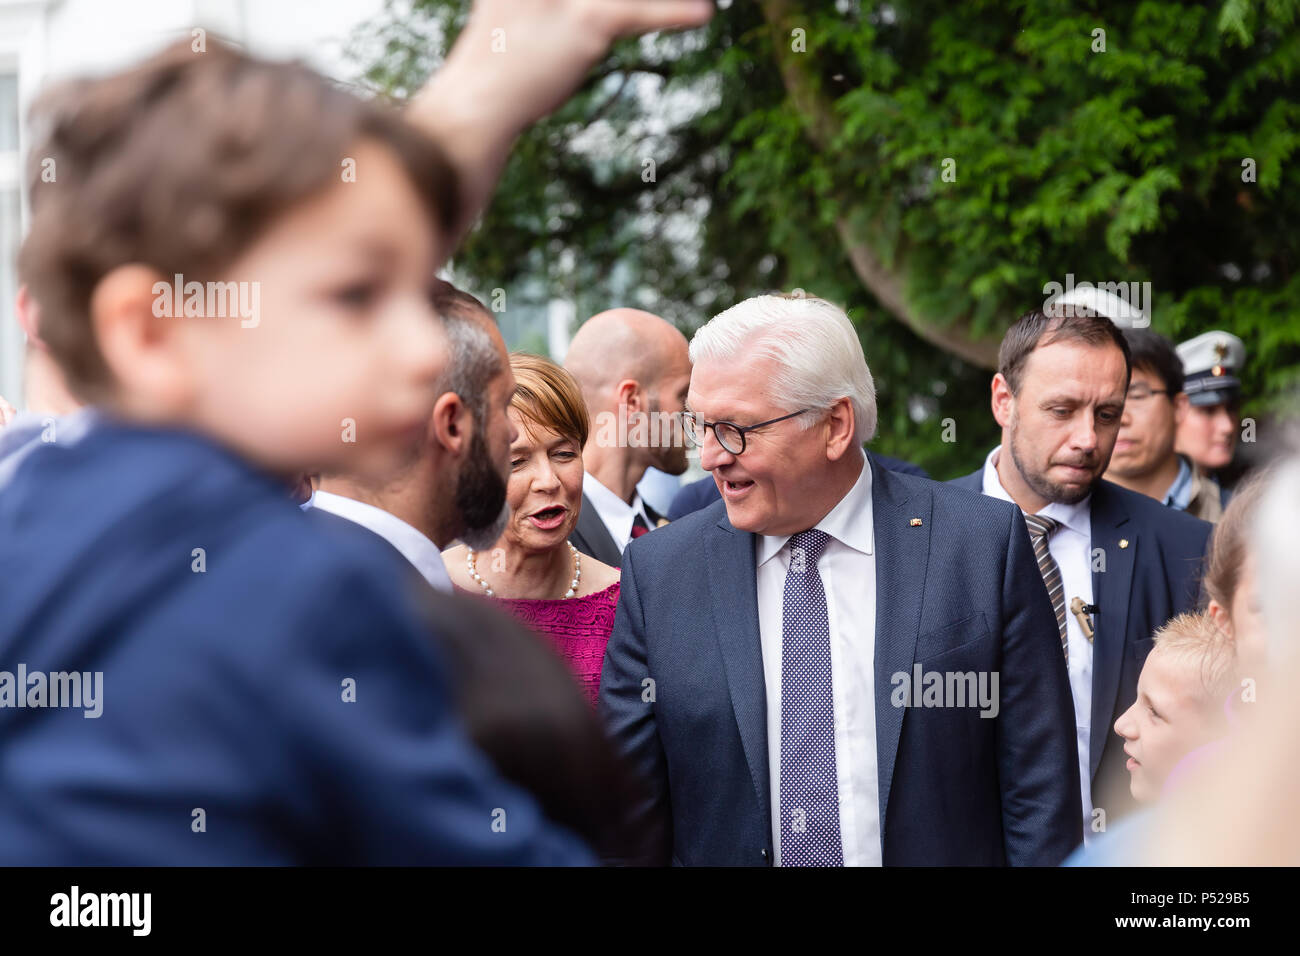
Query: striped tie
[[1040, 529]]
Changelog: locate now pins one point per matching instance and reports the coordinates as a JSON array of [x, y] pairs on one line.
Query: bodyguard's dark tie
[[1040, 529], [810, 807], [639, 527]]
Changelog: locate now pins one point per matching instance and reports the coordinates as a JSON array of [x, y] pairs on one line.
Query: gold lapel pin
[[1123, 542], [915, 522]]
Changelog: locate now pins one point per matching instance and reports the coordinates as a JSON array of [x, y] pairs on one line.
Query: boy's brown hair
[[179, 164]]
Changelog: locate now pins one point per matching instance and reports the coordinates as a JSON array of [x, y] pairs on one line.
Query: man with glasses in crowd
[[1144, 459], [836, 664]]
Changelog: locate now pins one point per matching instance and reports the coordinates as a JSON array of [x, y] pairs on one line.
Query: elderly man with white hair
[[835, 664]]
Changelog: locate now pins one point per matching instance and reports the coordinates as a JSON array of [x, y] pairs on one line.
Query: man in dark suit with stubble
[[1117, 564], [836, 664]]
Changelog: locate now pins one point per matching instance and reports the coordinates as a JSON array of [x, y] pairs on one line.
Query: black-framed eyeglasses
[[729, 435], [1140, 393]]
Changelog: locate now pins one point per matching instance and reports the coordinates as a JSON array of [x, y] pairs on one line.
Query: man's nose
[[712, 454], [1084, 434], [1223, 421]]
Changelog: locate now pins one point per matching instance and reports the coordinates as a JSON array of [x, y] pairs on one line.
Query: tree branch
[[610, 100], [822, 128]]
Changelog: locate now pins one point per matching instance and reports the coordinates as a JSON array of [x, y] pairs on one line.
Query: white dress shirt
[[1071, 546], [848, 573], [658, 488], [414, 545], [617, 514]]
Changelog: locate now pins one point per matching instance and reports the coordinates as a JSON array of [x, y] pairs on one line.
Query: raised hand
[[515, 62], [532, 54]]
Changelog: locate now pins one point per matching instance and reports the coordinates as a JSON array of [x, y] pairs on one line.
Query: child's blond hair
[[1195, 639]]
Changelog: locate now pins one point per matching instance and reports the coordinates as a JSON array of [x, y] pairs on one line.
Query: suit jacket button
[[764, 852]]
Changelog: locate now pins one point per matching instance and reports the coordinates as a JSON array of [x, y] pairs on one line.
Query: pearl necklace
[[471, 565]]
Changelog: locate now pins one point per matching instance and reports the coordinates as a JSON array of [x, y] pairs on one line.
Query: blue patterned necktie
[[810, 806]]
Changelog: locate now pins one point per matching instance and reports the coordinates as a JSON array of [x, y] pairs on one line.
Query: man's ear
[[628, 392], [142, 348], [451, 424], [1181, 405], [839, 429], [1001, 400]]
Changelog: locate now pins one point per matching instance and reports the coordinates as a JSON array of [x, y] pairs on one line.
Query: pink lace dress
[[578, 628]]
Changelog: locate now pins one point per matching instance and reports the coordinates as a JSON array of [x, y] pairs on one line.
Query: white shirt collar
[[849, 522], [414, 545], [1077, 517], [616, 513]]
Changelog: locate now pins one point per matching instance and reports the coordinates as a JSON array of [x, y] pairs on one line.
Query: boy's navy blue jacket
[[228, 628]]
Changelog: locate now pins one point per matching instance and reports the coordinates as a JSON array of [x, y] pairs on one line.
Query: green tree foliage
[[930, 166]]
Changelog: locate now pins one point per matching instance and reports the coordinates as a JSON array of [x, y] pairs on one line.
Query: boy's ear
[[1220, 616], [29, 317], [141, 348]]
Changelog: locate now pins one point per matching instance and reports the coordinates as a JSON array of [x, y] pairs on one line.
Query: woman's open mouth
[[548, 519]]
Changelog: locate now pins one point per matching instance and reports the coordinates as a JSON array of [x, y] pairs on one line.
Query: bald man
[[634, 370]]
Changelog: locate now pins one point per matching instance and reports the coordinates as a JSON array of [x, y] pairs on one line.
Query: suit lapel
[[902, 552], [595, 536], [733, 588], [1110, 589]]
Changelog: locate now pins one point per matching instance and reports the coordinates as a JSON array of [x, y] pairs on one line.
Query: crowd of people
[[355, 584]]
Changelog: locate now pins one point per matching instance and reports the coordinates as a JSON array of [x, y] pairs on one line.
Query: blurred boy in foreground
[[266, 689]]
